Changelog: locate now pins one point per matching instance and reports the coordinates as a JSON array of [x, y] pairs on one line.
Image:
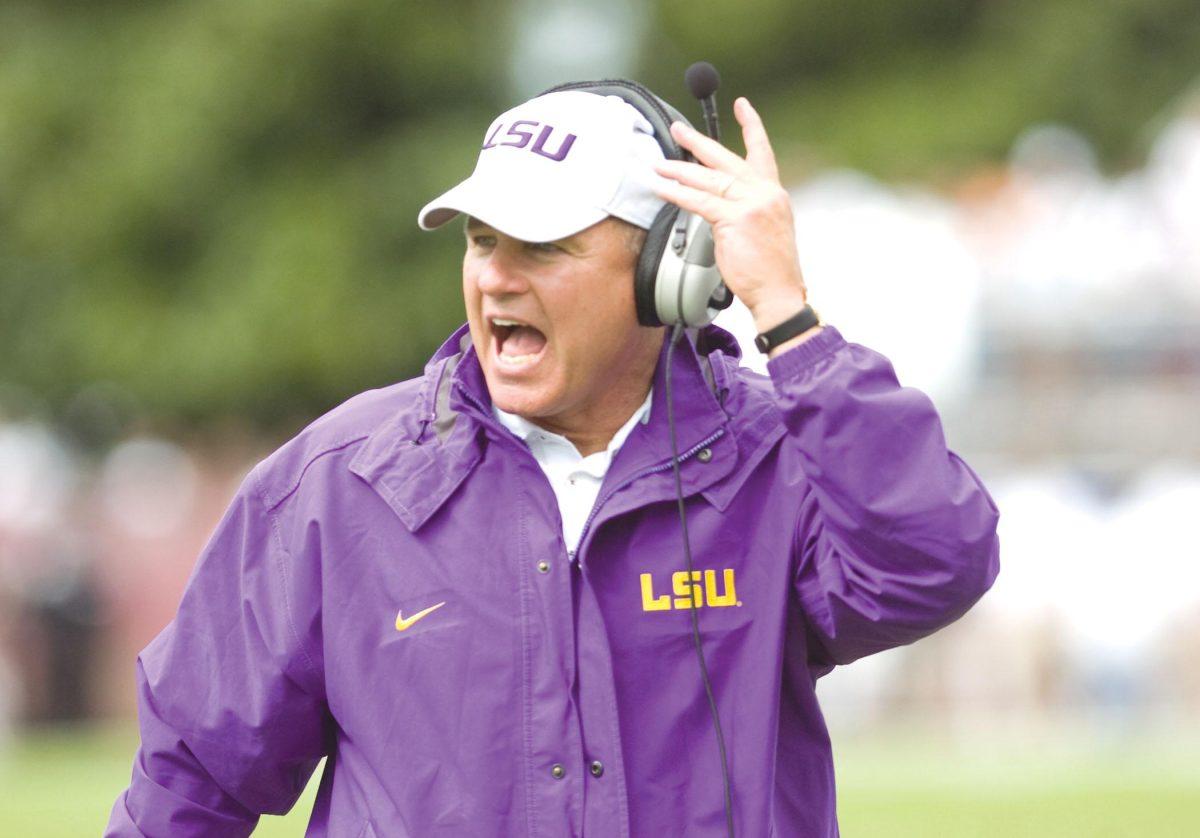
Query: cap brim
[[536, 216]]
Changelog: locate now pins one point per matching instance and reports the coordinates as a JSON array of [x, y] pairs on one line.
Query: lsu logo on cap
[[516, 137], [689, 591]]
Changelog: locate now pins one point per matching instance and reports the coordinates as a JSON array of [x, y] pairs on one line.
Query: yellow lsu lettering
[[688, 591]]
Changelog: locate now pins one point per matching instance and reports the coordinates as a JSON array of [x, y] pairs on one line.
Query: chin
[[522, 399]]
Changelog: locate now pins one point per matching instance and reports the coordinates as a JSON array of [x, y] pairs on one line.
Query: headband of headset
[[657, 112], [660, 115]]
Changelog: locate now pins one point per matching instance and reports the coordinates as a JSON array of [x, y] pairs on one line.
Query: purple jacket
[[828, 521]]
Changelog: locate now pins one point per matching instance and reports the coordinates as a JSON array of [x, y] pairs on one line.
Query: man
[[468, 590]]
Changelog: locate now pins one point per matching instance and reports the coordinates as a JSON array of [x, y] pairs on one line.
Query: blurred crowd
[[1051, 311]]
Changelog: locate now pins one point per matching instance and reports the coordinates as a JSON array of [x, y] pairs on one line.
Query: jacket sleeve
[[895, 536], [230, 704]]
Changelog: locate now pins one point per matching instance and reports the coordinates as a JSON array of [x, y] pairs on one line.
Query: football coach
[[581, 576]]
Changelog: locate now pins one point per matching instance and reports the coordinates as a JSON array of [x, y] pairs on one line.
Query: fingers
[[707, 150], [704, 204], [759, 153], [760, 157], [704, 187], [695, 175]]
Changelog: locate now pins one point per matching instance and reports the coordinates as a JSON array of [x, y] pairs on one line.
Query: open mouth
[[517, 344]]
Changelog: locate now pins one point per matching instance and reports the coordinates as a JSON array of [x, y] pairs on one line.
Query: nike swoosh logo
[[403, 622]]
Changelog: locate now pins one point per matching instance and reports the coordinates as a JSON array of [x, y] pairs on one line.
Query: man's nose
[[501, 274]]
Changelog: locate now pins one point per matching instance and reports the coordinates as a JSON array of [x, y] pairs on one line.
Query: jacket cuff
[[804, 355]]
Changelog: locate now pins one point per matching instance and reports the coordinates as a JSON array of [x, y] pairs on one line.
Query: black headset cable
[[676, 333]]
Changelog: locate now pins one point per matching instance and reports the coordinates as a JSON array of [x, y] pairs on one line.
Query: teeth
[[506, 358]]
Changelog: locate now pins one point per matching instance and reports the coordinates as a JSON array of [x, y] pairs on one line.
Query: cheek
[[472, 297], [614, 309], [473, 304], [468, 279], [601, 331]]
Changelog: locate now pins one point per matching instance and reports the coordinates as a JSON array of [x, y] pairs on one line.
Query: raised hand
[[750, 213]]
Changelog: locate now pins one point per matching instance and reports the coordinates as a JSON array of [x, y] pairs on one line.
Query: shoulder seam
[[272, 502]]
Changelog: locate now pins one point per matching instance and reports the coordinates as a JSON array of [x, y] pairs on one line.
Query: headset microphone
[[689, 287], [703, 80]]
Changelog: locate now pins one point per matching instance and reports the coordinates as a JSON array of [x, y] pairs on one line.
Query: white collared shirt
[[574, 478]]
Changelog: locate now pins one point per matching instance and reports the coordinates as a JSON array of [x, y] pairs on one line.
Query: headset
[[676, 283], [676, 278]]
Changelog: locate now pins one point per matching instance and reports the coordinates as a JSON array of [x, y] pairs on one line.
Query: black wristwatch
[[802, 322]]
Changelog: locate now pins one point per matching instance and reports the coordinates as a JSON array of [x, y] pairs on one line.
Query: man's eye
[[483, 241], [544, 247]]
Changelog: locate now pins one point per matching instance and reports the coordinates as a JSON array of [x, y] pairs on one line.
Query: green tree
[[212, 205]]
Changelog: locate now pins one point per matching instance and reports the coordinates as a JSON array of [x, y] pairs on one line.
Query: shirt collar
[[522, 427]]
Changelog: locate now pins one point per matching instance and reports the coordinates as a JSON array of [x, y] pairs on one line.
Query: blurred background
[[208, 238]]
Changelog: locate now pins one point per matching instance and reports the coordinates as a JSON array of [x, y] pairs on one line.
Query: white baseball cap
[[557, 164]]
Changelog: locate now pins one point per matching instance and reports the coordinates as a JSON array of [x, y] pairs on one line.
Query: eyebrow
[[473, 224]]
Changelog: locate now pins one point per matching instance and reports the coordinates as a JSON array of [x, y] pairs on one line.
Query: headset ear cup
[[645, 277]]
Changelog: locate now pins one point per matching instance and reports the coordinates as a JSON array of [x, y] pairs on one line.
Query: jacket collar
[[696, 403], [416, 459]]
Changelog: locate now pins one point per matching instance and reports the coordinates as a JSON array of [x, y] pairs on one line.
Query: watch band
[[800, 323]]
